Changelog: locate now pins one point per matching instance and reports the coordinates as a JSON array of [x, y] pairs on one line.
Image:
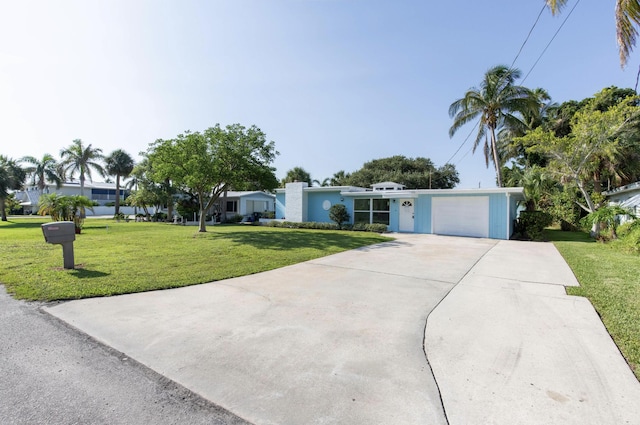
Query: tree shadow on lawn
[[294, 239], [557, 235], [37, 223]]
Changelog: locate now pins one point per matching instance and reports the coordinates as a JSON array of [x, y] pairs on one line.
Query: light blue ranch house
[[480, 213]]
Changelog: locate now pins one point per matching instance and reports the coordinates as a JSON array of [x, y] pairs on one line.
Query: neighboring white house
[[626, 196], [99, 192], [246, 203]]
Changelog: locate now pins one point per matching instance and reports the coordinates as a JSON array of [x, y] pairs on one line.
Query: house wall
[[291, 204], [297, 206], [248, 205], [316, 201], [281, 205], [497, 213], [394, 215]]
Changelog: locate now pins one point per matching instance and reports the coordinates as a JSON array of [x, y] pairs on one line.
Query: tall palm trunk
[[494, 153]]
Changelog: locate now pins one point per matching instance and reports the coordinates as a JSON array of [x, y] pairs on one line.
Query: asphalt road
[[53, 374]]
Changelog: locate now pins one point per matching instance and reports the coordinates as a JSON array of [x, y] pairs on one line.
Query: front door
[[406, 215]]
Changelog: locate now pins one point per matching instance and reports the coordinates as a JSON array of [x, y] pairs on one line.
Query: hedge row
[[358, 227]]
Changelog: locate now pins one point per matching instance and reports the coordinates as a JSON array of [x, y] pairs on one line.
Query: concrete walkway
[[342, 339]]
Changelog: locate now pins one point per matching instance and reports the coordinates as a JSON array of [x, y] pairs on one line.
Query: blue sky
[[334, 83]]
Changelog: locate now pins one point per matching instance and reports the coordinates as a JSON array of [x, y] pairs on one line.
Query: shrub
[[530, 224], [119, 216], [607, 215], [159, 216], [361, 227], [376, 228], [628, 227], [338, 214], [269, 214]]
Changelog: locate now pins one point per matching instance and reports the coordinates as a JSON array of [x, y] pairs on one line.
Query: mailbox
[[63, 233], [59, 232]]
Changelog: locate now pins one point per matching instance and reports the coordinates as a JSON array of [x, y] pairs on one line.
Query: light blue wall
[[498, 216], [394, 215], [316, 199], [497, 213], [498, 219], [280, 205]]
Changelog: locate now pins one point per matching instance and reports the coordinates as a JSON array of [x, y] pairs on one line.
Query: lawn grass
[[610, 279], [118, 258]]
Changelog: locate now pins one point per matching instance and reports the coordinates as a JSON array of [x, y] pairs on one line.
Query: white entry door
[[406, 215]]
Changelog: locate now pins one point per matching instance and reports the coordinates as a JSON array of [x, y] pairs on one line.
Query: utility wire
[[463, 142], [512, 63], [528, 35], [551, 41], [530, 70]]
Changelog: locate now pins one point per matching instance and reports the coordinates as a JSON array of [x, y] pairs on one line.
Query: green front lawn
[[610, 279], [118, 258]]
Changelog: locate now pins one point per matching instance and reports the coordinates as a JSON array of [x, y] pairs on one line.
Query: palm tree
[[537, 184], [531, 119], [627, 19], [82, 159], [497, 102], [119, 164], [297, 174], [12, 177], [66, 208], [340, 178], [43, 170]]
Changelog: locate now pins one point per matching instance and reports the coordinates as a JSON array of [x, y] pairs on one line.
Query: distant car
[[250, 218]]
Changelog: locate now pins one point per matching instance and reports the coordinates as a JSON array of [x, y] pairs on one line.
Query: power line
[[463, 142], [528, 35], [512, 63], [530, 70], [551, 41]]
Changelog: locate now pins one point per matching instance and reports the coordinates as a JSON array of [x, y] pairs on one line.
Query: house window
[[232, 206], [370, 211]]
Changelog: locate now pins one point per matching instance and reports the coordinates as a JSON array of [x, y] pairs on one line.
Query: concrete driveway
[[421, 330]]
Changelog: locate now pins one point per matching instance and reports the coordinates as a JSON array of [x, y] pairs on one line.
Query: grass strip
[[118, 258]]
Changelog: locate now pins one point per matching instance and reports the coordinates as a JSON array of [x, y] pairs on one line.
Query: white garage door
[[460, 216]]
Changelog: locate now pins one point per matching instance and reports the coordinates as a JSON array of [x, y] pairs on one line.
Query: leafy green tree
[[11, 204], [533, 118], [12, 177], [82, 159], [497, 102], [627, 16], [208, 163], [338, 213], [574, 158], [414, 173], [118, 164], [42, 171], [297, 174]]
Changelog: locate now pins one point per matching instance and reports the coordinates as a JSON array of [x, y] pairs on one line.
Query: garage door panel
[[461, 216]]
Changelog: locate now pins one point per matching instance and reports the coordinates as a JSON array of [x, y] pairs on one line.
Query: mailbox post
[[63, 233]]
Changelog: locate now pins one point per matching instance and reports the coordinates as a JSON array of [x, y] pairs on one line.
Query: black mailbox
[[59, 232]]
